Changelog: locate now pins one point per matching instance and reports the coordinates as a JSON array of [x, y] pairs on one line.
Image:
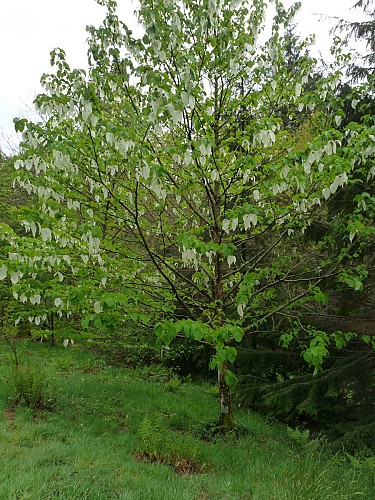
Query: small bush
[[187, 357], [156, 373], [362, 462], [29, 388], [212, 431], [173, 385], [180, 422], [300, 438], [131, 347], [94, 365]]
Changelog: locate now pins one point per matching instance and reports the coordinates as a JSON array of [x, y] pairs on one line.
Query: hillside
[[103, 432]]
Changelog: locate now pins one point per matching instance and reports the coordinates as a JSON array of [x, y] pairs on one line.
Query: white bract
[[226, 225], [250, 219], [3, 272]]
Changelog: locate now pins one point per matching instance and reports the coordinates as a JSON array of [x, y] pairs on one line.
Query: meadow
[[74, 427]]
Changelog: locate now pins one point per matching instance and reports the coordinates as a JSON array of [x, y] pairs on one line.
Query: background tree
[[362, 31], [340, 400]]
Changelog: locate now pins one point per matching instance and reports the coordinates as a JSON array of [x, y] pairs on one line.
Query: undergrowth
[[29, 387]]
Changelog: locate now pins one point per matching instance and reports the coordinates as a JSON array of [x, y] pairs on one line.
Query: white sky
[[30, 29]]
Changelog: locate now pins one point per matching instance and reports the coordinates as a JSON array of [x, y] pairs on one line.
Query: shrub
[[212, 431], [186, 357], [64, 363], [299, 437], [128, 349], [157, 373], [173, 385], [29, 387]]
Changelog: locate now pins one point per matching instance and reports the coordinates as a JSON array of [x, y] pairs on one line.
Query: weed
[[156, 373], [29, 387], [180, 421], [301, 438], [173, 385], [362, 462], [64, 363], [157, 445], [94, 365]]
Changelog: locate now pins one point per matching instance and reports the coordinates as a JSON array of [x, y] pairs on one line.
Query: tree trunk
[[226, 412], [14, 350], [52, 328]]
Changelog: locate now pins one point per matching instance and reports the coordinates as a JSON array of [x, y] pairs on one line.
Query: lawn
[[111, 433]]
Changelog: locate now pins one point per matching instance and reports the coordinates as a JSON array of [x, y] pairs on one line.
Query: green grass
[[106, 422]]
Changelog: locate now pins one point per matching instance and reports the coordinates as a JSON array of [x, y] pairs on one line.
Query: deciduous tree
[[166, 199]]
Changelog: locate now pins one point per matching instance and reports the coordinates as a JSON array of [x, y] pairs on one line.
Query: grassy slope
[[84, 449]]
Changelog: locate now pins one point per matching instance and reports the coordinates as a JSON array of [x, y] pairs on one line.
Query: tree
[[170, 204], [362, 31]]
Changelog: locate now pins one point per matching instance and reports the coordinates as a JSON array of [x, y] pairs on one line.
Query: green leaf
[[98, 323], [110, 301], [213, 363], [237, 333], [231, 354], [19, 124], [321, 297], [85, 322], [230, 378]]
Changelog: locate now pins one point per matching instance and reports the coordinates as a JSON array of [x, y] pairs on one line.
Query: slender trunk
[[14, 351], [15, 355], [52, 327], [225, 400], [226, 411], [218, 208]]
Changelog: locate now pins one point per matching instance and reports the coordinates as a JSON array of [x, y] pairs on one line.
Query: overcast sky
[[30, 29]]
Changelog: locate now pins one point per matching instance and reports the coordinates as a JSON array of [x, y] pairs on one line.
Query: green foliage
[[173, 385], [10, 333], [64, 363], [362, 462], [159, 445], [300, 437], [11, 198], [130, 345], [354, 279], [336, 402], [157, 373], [317, 348], [186, 357], [218, 338], [29, 387], [214, 432]]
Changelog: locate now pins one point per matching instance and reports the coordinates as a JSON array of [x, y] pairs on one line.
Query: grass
[[118, 434]]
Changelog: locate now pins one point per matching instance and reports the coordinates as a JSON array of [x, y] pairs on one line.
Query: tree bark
[[226, 411], [52, 328]]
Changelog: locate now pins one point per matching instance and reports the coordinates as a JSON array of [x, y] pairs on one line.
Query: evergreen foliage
[[362, 31]]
